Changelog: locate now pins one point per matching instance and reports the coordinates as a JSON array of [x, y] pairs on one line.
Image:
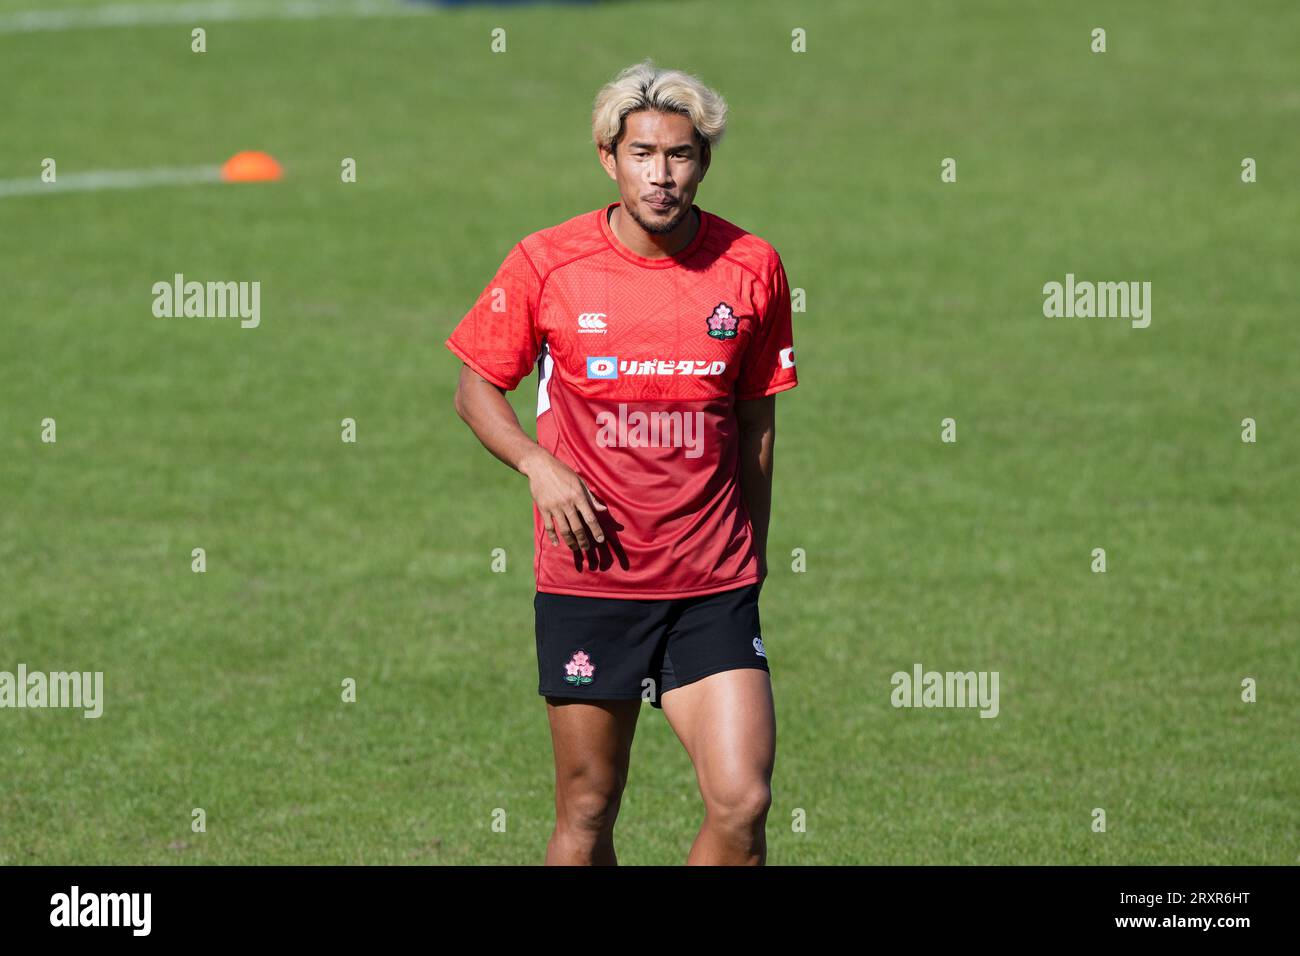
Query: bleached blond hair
[[644, 86]]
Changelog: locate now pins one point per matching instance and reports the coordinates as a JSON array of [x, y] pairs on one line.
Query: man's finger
[[579, 529], [589, 517], [562, 525], [595, 503], [549, 525]]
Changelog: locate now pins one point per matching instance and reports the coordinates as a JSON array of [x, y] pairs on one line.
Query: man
[[661, 335]]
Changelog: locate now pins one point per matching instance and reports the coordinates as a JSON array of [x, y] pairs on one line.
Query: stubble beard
[[665, 227]]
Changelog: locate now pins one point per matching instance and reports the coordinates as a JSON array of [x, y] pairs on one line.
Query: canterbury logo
[[591, 322]]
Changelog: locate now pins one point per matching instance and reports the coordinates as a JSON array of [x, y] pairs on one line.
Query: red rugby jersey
[[640, 362]]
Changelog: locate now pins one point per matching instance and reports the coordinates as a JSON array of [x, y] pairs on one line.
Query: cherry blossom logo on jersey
[[722, 323], [580, 670]]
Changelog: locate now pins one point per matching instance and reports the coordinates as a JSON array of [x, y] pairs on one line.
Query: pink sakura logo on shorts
[[580, 670], [722, 323]]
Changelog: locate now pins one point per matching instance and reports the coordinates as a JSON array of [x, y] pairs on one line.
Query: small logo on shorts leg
[[580, 670], [758, 647]]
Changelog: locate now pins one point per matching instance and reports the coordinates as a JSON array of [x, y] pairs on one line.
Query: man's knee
[[590, 805], [741, 805]]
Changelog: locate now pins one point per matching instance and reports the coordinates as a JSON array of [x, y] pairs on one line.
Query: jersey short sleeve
[[768, 366], [498, 338]]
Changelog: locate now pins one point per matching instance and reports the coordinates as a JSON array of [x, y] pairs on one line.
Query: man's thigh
[[592, 741], [594, 657], [717, 693], [727, 723]]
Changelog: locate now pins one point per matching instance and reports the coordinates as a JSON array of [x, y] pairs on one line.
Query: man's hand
[[566, 504]]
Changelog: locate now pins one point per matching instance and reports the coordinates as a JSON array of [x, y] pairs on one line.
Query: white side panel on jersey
[[545, 365]]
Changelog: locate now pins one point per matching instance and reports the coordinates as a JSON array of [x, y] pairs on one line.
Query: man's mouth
[[661, 202]]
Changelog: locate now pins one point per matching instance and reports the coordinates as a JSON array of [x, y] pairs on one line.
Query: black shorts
[[624, 648]]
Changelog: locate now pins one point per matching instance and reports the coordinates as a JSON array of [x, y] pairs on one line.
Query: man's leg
[[727, 723], [592, 742]]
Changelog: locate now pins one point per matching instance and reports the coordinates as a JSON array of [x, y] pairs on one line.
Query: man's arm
[[566, 504], [757, 421]]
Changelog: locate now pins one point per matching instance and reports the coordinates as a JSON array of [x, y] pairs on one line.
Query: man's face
[[659, 157]]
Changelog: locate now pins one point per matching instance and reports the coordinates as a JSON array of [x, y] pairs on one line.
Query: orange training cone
[[250, 167]]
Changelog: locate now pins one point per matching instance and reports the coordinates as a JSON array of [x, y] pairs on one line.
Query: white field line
[[110, 179], [198, 14]]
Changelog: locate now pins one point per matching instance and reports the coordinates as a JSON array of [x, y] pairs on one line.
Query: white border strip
[[110, 179], [196, 14]]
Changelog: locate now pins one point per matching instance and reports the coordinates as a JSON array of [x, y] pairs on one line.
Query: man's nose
[[658, 169]]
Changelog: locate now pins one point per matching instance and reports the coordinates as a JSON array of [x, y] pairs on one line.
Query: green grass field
[[371, 560]]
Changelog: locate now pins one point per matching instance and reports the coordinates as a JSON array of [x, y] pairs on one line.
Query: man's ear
[[607, 160], [706, 157]]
